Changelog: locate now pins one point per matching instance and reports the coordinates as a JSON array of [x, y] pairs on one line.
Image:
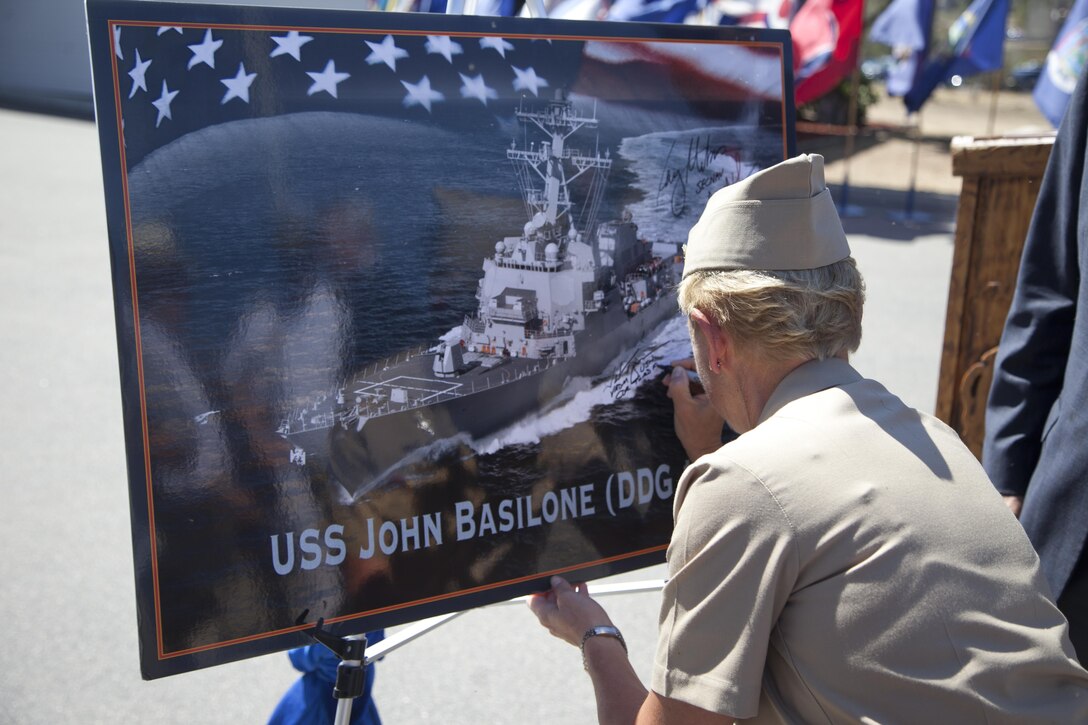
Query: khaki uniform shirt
[[848, 560]]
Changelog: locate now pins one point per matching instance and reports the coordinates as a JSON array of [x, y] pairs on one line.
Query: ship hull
[[361, 451]]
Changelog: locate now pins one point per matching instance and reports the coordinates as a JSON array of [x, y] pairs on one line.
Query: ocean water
[[275, 257]]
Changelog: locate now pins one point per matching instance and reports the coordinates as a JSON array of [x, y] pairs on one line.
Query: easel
[[355, 658], [350, 673]]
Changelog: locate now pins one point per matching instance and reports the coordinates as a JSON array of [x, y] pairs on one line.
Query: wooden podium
[[1001, 179]]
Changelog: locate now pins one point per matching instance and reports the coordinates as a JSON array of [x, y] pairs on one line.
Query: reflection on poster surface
[[394, 293]]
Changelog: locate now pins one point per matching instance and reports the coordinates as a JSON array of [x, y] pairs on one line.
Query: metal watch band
[[601, 630]]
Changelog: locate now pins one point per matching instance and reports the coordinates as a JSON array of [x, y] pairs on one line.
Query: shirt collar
[[806, 379]]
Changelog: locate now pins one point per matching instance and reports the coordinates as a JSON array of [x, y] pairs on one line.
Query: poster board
[[392, 292]]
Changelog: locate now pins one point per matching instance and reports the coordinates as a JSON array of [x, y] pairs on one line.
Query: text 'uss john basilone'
[[315, 547]]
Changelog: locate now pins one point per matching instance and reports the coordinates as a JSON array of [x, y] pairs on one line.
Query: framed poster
[[392, 296]]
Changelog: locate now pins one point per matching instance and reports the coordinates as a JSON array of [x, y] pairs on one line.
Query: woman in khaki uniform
[[845, 558]]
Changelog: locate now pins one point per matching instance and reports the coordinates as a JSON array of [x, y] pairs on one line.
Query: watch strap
[[601, 630]]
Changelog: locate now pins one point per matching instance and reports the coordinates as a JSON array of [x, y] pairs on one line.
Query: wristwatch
[[601, 630]]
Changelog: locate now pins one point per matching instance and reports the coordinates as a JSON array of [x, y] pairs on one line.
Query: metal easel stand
[[354, 656], [350, 673], [414, 631]]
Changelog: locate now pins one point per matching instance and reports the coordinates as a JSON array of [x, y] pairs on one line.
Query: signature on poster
[[703, 168], [642, 363]]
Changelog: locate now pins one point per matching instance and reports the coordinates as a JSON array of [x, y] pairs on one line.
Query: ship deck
[[388, 388], [407, 381]]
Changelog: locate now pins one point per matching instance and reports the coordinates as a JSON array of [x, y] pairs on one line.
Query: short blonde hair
[[807, 313]]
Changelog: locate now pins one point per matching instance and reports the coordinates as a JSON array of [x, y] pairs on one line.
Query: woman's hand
[[697, 424], [567, 611]]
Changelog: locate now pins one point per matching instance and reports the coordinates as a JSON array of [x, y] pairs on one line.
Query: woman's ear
[[718, 343]]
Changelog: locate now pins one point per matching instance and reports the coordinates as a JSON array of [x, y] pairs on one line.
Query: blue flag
[[655, 11], [976, 43], [904, 26], [1064, 64], [748, 13]]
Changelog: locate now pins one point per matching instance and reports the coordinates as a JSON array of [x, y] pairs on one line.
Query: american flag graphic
[[171, 80]]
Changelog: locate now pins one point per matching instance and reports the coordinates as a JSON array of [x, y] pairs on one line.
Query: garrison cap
[[780, 218]]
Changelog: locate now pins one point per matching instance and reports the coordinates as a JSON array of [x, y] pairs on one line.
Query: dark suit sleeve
[[1031, 358]]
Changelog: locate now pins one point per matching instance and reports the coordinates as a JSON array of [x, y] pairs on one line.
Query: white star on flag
[[137, 74], [499, 45], [420, 94], [528, 80], [204, 52], [238, 86], [117, 42], [475, 88], [168, 28], [290, 44], [385, 52], [443, 46], [163, 104], [326, 80]]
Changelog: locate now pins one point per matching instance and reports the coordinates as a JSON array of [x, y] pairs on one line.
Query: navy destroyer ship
[[565, 297]]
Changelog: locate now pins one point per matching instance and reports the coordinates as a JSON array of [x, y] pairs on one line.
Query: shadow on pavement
[[889, 213], [832, 146], [892, 214]]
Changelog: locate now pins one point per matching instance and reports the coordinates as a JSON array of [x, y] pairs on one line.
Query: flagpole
[[995, 89], [845, 209], [916, 131], [914, 121]]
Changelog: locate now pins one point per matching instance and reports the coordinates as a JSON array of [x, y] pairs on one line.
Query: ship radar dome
[[551, 252], [499, 247]]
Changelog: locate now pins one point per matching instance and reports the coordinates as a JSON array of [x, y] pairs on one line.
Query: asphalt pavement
[[69, 649]]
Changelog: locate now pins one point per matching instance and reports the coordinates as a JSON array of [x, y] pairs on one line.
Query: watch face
[[607, 631]]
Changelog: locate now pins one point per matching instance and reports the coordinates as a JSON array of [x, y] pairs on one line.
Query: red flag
[[826, 36]]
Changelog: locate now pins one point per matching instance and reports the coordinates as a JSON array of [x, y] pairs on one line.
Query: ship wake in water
[[580, 401], [619, 382]]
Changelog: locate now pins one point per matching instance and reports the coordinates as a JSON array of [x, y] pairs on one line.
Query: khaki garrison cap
[[779, 218]]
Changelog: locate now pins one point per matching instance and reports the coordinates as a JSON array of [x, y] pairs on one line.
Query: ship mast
[[545, 172]]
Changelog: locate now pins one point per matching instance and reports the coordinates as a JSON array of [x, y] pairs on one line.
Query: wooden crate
[[1000, 184]]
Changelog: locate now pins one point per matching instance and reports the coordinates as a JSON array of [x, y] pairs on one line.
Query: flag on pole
[[905, 27], [751, 13], [654, 11], [826, 33], [826, 36], [1064, 64], [748, 13], [976, 43]]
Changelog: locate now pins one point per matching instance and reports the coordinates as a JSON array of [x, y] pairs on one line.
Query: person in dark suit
[[1036, 444]]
